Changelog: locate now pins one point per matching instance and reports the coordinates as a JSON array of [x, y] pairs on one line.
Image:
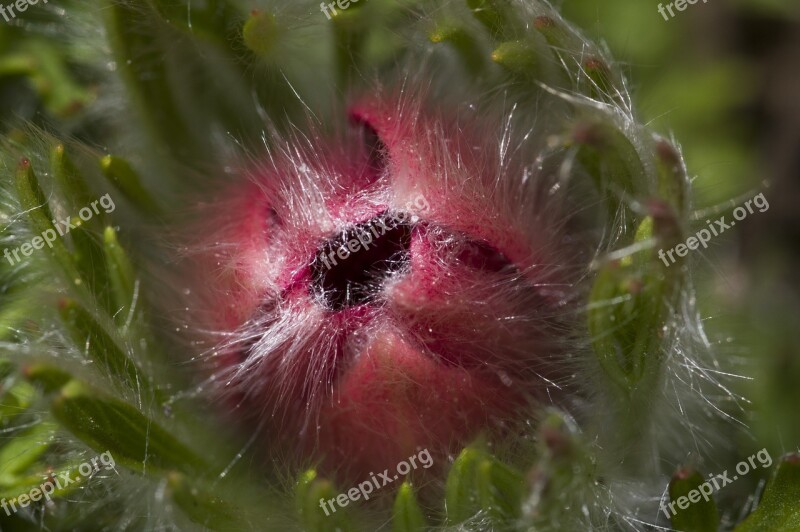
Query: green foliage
[[126, 179], [204, 508], [701, 513], [108, 424], [117, 406], [779, 508], [102, 348], [480, 484], [407, 515], [310, 491]]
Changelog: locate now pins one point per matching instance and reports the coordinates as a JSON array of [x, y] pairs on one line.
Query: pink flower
[[396, 290]]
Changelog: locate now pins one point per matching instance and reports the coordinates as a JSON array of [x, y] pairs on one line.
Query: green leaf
[[564, 477], [23, 450], [109, 424], [133, 32], [673, 184], [33, 202], [463, 42], [500, 490], [43, 64], [6, 368], [17, 65], [479, 482], [87, 251], [407, 515], [613, 162], [261, 33], [127, 180], [121, 276], [88, 254], [689, 489], [317, 513], [101, 348], [779, 508], [49, 378], [205, 508], [14, 312], [553, 32], [16, 401], [625, 317], [350, 31], [497, 16], [85, 263], [519, 58], [461, 497], [209, 20], [61, 93], [593, 75], [601, 86], [71, 181], [29, 483], [628, 310]]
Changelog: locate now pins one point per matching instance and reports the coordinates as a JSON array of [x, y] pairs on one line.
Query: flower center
[[349, 269]]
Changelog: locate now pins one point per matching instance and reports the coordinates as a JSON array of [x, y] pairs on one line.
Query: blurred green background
[[723, 78]]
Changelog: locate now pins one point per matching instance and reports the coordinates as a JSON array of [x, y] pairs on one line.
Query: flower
[[439, 327]]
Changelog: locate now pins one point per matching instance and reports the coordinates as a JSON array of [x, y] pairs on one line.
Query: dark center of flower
[[349, 268]]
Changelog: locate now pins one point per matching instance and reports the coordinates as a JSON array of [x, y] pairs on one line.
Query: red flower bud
[[392, 294]]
